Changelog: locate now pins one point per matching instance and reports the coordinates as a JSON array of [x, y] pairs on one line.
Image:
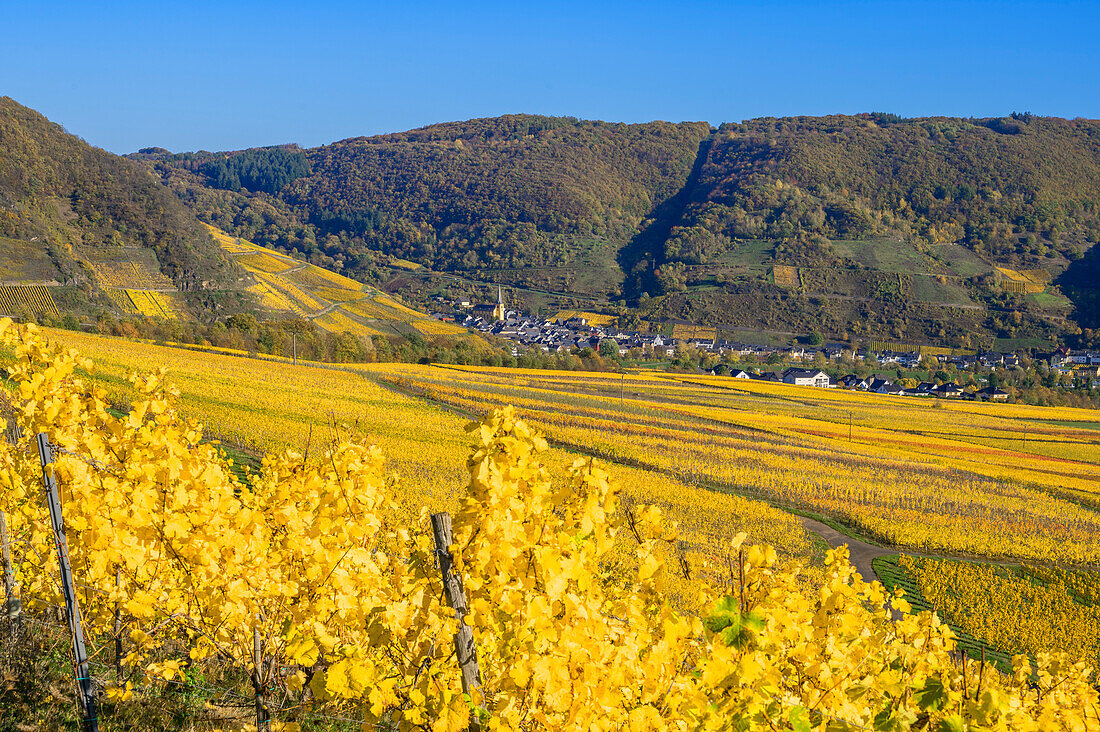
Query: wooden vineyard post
[[12, 607], [80, 655], [263, 714], [118, 630], [465, 649]]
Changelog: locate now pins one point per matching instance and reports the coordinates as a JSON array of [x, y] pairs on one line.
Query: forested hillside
[[1021, 188], [905, 217], [509, 192], [62, 201], [936, 229]]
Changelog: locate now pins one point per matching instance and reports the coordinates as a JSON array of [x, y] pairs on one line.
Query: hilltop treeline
[[267, 169], [58, 190]]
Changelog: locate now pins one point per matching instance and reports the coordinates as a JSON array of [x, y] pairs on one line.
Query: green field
[[886, 255], [851, 282], [1078, 425], [927, 288], [960, 260], [1017, 344], [1050, 300], [746, 252]]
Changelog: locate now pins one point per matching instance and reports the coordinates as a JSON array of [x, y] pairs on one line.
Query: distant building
[[879, 385], [851, 381], [950, 390], [993, 393], [806, 377]]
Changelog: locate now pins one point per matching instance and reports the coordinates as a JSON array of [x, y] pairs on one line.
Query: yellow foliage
[[318, 562], [129, 275], [1026, 610], [958, 485], [150, 304], [431, 326], [693, 332]]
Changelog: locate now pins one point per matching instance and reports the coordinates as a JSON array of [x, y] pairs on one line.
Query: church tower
[[498, 311]]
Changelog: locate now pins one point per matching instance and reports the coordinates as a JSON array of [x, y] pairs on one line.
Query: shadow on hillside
[[1081, 284], [646, 251]]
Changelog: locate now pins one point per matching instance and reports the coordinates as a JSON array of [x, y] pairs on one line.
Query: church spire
[[498, 311]]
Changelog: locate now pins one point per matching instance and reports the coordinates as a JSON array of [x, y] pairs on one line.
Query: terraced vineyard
[[149, 303], [333, 302], [1028, 282], [136, 285], [15, 299], [130, 274]]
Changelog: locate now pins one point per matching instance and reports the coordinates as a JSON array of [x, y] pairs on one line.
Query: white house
[[806, 377]]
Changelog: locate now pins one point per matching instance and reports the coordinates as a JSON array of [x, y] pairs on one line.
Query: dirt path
[[861, 553]]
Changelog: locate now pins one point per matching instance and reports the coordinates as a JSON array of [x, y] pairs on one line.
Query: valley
[[303, 470]]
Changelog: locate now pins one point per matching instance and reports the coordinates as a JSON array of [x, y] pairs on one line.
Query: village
[[740, 360]]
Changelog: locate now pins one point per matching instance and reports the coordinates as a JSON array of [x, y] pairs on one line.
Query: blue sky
[[231, 74]]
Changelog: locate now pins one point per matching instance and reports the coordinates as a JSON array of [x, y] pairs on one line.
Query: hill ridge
[[607, 210]]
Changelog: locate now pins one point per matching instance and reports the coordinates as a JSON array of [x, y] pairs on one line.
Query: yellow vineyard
[[336, 294], [899, 347], [337, 322], [263, 262], [953, 481], [149, 303], [1025, 281], [272, 299], [273, 405], [432, 327], [592, 318], [693, 332], [333, 302], [130, 275], [152, 304], [719, 456], [302, 302], [786, 276], [17, 299], [597, 596], [1032, 608]]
